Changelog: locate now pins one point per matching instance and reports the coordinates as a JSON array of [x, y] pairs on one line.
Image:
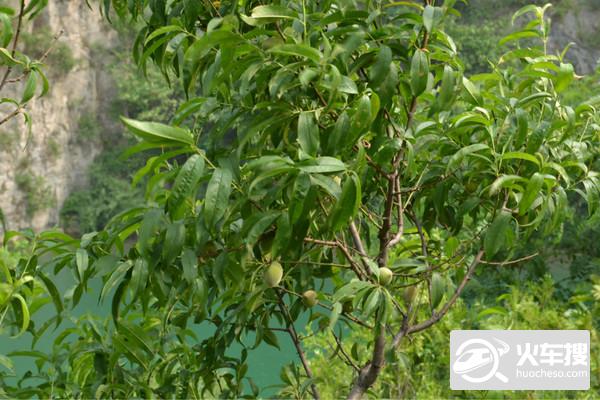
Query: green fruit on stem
[[385, 276], [273, 274], [409, 294], [309, 298]]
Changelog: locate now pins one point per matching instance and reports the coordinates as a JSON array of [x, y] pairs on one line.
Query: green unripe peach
[[309, 298], [409, 294], [385, 276], [273, 274]]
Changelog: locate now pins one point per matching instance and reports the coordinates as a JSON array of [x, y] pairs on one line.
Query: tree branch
[[15, 41], [384, 232], [359, 273], [369, 373], [360, 247]]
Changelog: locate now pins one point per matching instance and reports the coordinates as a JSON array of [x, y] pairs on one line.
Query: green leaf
[[519, 35], [371, 302], [7, 58], [381, 68], [174, 241], [347, 291], [189, 263], [524, 102], [24, 314], [457, 157], [497, 234], [158, 133], [564, 77], [348, 204], [322, 165], [339, 133], [430, 17], [419, 72], [446, 92], [532, 190], [54, 294], [139, 276], [259, 227], [361, 121], [151, 225], [136, 336], [530, 8], [300, 189], [273, 11], [217, 196], [115, 278], [308, 133], [471, 92], [162, 31], [116, 300], [336, 310], [185, 183], [298, 50], [521, 156], [30, 86], [504, 181], [492, 310], [283, 236], [7, 363], [81, 259], [438, 287]]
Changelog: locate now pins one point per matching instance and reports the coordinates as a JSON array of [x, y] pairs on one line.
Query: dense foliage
[[332, 160]]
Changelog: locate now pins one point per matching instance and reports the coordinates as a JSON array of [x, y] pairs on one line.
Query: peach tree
[[332, 166]]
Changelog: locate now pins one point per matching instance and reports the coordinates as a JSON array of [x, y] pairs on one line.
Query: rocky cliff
[[580, 27], [38, 170]]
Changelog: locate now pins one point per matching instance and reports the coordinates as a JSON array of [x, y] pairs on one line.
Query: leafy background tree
[[332, 163]]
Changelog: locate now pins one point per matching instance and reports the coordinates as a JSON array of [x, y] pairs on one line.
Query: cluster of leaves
[[329, 138]]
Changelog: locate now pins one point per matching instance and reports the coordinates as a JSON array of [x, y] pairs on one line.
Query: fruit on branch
[[385, 276], [273, 274], [309, 298], [409, 295]]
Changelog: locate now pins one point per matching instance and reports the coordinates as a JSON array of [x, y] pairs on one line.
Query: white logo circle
[[474, 355]]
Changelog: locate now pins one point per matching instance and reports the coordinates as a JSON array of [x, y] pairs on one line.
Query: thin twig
[[346, 356], [400, 221], [294, 336], [518, 260], [13, 114], [438, 315]]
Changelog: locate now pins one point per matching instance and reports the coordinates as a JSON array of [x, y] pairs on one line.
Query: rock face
[[579, 26], [38, 171]]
